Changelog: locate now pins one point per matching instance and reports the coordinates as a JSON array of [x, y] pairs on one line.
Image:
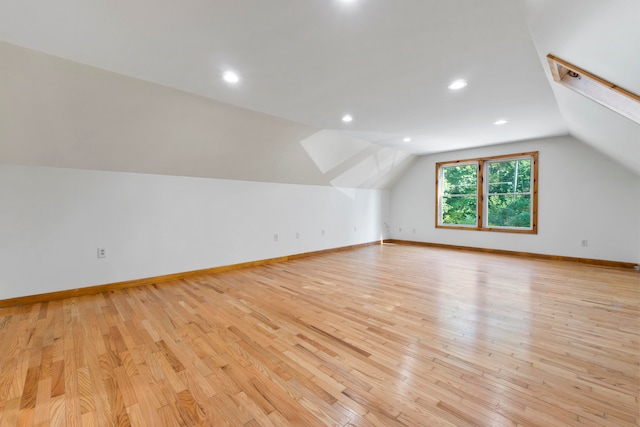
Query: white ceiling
[[602, 37], [386, 62]]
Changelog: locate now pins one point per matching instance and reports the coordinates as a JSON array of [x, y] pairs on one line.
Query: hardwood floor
[[384, 335]]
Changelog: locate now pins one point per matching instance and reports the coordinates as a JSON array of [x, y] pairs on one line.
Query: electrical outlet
[[355, 228], [297, 235], [584, 243], [322, 232], [400, 229], [275, 237], [102, 252], [414, 231]]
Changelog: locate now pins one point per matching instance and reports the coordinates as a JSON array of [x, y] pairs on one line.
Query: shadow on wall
[[352, 163]]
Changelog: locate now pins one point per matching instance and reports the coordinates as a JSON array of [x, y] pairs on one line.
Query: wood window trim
[[480, 161], [597, 89]]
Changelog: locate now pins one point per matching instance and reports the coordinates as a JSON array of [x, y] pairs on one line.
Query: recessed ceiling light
[[458, 84], [347, 118], [407, 139], [230, 77], [500, 122]]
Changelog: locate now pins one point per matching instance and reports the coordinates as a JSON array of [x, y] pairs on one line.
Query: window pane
[[459, 210], [460, 179], [509, 211], [506, 192], [512, 176]]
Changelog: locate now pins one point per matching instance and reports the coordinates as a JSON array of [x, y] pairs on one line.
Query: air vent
[[603, 92]]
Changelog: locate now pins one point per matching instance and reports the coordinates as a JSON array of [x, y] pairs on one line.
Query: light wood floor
[[384, 335]]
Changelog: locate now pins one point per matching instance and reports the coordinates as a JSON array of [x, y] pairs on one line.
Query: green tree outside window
[[492, 194]]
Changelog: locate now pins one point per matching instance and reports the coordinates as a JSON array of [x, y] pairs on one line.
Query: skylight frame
[[595, 88]]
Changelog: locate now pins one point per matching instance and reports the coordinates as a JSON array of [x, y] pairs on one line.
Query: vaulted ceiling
[[603, 38], [145, 93]]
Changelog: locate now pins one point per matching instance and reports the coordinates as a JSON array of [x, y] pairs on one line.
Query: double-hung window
[[489, 194]]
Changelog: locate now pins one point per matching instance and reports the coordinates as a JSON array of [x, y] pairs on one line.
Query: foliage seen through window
[[495, 193]]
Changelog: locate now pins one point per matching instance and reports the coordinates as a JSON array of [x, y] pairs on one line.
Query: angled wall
[[59, 113], [165, 180], [601, 38]]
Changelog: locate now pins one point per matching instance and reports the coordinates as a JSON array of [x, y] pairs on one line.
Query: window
[[489, 194], [460, 195]]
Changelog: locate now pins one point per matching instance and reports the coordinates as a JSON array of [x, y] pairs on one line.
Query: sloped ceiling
[[144, 91], [603, 38], [54, 112]]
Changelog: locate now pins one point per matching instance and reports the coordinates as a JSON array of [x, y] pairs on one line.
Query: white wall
[[53, 220], [582, 195]]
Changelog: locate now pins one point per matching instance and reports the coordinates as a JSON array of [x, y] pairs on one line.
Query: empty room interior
[[320, 213]]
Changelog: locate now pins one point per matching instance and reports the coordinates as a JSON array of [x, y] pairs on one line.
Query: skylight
[[597, 89]]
